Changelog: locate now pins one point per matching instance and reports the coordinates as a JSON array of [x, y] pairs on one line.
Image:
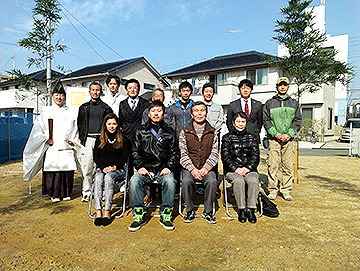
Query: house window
[[221, 79], [251, 75], [307, 113], [71, 85], [196, 86], [85, 84], [262, 76], [258, 77], [149, 86], [330, 118]]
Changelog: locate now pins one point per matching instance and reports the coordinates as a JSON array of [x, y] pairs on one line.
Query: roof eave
[[85, 76], [218, 69]]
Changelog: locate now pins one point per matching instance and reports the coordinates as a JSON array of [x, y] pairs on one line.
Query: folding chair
[[119, 183], [148, 200], [195, 206], [228, 206]]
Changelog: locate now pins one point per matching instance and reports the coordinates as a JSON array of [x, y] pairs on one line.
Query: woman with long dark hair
[[111, 152], [240, 156]]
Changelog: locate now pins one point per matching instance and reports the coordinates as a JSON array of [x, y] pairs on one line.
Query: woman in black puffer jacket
[[240, 156]]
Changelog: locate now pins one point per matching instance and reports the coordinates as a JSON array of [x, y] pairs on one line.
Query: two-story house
[[227, 71]]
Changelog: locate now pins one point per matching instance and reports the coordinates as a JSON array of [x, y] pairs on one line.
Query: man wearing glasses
[[131, 110]]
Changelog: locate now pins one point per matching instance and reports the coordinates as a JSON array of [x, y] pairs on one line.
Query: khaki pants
[[283, 154], [87, 163]]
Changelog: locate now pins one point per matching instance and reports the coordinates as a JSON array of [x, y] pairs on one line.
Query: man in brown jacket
[[198, 144]]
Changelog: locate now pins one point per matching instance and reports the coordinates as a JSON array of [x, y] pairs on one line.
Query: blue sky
[[169, 34]]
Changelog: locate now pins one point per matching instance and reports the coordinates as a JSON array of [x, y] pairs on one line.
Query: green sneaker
[[139, 219], [165, 219]]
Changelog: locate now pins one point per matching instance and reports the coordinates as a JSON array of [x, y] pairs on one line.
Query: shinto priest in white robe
[[61, 156]]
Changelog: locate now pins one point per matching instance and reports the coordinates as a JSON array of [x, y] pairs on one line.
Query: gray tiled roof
[[38, 76], [222, 63], [103, 68]]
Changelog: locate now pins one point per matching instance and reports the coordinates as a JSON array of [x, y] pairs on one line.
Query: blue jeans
[[105, 182], [168, 184]]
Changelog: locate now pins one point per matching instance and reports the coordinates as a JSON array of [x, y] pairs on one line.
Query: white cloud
[[103, 11]]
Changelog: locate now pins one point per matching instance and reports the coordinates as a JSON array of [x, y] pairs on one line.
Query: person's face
[[282, 88], [240, 124], [95, 92], [111, 125], [158, 95], [199, 113], [156, 114], [185, 94], [132, 90], [208, 94], [59, 99], [113, 86], [245, 91]]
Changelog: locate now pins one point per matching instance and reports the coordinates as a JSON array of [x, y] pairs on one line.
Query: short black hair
[[240, 114], [197, 103], [59, 88], [208, 85], [157, 103], [93, 83], [132, 80], [185, 84], [247, 83], [159, 89], [113, 76]]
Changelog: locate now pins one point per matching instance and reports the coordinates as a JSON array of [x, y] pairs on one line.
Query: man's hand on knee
[[165, 171], [196, 174], [143, 171]]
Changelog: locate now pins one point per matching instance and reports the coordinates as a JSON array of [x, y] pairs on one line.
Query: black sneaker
[[139, 219], [209, 217], [165, 219], [189, 217]]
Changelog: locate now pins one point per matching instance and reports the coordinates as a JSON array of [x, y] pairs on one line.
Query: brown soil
[[319, 230]]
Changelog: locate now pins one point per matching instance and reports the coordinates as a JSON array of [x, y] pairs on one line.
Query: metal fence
[[15, 127]]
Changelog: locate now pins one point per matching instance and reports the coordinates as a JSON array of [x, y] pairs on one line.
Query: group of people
[[162, 144]]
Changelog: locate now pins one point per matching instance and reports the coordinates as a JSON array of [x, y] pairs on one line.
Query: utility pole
[[14, 66], [48, 59], [234, 32]]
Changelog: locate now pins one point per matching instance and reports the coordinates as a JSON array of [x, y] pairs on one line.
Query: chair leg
[[226, 201], [90, 200]]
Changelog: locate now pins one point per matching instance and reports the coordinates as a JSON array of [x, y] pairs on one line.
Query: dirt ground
[[319, 230]]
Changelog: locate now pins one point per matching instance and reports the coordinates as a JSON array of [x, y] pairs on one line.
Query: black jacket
[[129, 121], [83, 118], [150, 153], [239, 149], [109, 156], [255, 119]]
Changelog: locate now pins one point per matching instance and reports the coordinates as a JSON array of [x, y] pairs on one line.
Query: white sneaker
[[272, 196], [67, 198], [288, 198], [122, 188], [85, 198], [55, 199]]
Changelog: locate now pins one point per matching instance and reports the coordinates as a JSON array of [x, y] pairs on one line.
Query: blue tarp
[[17, 130]]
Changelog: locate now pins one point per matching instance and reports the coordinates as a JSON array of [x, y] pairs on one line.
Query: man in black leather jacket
[[90, 118], [155, 154]]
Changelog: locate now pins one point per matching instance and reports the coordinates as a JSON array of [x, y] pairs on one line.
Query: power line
[[84, 38], [91, 32], [6, 63]]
